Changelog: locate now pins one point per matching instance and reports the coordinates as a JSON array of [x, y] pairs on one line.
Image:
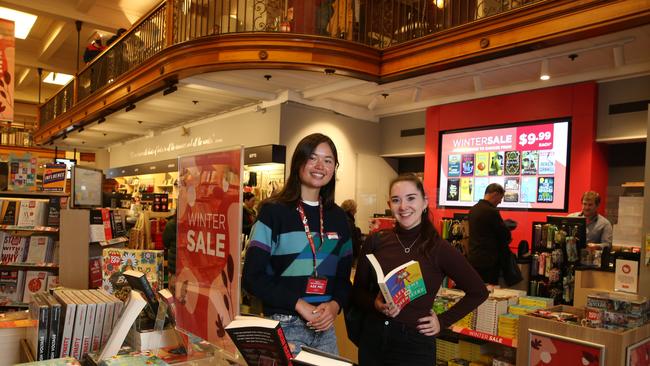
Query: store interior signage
[[529, 159], [176, 146]]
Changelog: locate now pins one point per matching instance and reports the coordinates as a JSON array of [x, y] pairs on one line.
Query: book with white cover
[[90, 321], [100, 316], [132, 309], [35, 282], [119, 305], [79, 323], [68, 318], [314, 357], [32, 213], [14, 249], [107, 325], [39, 246]]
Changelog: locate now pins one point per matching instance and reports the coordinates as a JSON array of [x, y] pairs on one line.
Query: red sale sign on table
[[208, 246]]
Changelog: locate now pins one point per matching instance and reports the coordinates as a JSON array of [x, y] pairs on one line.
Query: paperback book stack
[[446, 350], [487, 314], [86, 322], [508, 325]]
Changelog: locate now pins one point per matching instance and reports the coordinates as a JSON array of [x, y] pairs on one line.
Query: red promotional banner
[[7, 60], [208, 244]]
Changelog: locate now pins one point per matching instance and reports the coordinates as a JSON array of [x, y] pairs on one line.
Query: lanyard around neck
[[310, 238]]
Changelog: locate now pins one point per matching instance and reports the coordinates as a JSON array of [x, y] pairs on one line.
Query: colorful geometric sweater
[[279, 259]]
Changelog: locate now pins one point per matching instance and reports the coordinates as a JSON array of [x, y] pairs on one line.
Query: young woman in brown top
[[407, 337]]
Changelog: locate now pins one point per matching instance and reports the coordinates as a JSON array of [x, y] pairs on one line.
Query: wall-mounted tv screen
[[86, 187], [529, 159]]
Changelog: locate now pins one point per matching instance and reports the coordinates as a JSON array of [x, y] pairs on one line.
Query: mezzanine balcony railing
[[377, 23]]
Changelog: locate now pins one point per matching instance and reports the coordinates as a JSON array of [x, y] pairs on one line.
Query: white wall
[[392, 144], [362, 174], [245, 127], [619, 127]]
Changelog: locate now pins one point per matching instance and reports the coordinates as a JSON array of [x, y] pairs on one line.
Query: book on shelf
[[54, 211], [113, 310], [14, 248], [37, 336], [132, 309], [8, 212], [53, 335], [260, 340], [401, 285], [313, 357], [40, 249], [32, 213], [95, 314], [12, 284], [35, 282]]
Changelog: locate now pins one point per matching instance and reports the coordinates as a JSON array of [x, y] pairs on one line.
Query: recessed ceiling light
[[23, 21], [58, 78]]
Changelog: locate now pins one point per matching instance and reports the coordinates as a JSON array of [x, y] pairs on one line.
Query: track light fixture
[[81, 129], [170, 89], [544, 74], [65, 136], [129, 107], [101, 120]]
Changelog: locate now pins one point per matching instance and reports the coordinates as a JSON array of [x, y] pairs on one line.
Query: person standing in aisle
[[350, 208], [248, 215], [599, 229], [488, 235], [299, 257], [407, 337]]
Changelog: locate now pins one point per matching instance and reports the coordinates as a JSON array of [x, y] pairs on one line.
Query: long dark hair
[[428, 233], [290, 193]]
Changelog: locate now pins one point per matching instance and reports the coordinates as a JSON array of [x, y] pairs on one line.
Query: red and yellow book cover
[[208, 244]]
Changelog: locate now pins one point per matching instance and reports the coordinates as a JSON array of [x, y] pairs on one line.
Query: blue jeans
[[299, 334]]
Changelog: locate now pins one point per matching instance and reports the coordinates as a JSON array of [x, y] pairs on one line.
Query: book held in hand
[[313, 357], [260, 340], [401, 285]]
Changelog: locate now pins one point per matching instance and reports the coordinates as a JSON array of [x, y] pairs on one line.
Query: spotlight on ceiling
[[129, 107], [544, 74], [170, 89], [101, 120], [64, 137], [81, 129]]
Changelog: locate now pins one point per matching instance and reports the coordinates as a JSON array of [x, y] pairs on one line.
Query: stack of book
[[508, 325], [446, 350], [487, 314], [86, 320]]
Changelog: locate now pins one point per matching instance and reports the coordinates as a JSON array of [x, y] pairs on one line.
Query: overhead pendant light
[[439, 3], [544, 74]]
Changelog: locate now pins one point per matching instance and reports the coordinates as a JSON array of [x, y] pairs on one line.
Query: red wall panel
[[588, 165]]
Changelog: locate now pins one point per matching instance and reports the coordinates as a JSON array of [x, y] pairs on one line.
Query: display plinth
[[614, 344]]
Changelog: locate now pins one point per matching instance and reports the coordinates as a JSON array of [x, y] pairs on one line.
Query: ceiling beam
[[119, 128], [332, 88], [55, 38], [199, 83], [84, 5]]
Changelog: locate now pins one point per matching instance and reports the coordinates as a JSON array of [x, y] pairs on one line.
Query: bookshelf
[[41, 238]]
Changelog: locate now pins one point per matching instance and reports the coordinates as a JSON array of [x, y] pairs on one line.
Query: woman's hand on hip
[[429, 325]]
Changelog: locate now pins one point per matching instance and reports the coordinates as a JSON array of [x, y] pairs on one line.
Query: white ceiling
[[614, 56]]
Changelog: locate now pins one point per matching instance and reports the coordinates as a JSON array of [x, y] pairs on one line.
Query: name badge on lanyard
[[315, 285]]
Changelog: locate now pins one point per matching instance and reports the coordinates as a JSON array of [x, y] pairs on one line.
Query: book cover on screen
[[512, 189], [467, 165], [528, 189], [545, 189], [260, 341], [401, 285], [546, 163], [482, 164], [479, 188], [529, 162], [453, 165], [453, 189], [496, 163], [466, 185], [512, 164]]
